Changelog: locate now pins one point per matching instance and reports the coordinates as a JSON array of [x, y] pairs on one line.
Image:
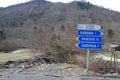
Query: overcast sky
[[111, 4], [5, 3]]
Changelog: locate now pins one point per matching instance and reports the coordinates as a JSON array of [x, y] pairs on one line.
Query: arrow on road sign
[[89, 39], [89, 45], [89, 32], [89, 27]]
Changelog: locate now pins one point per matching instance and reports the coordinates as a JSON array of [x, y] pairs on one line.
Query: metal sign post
[[88, 60]]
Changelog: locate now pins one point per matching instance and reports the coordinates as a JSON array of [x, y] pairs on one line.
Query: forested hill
[[45, 13], [19, 20]]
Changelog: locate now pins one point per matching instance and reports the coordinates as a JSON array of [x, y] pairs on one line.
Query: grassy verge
[[109, 54], [14, 56]]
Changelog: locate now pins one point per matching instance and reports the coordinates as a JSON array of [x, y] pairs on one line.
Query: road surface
[[52, 72]]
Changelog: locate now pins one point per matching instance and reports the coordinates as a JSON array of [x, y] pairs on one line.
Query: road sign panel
[[89, 39], [89, 45], [89, 27], [89, 32]]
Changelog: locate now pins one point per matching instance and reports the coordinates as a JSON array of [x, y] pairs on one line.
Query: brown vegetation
[[58, 42], [8, 45]]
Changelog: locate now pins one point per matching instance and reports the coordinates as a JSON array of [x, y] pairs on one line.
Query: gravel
[[53, 72]]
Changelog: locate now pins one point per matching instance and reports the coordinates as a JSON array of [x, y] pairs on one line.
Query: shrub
[[8, 45], [60, 42], [103, 66], [110, 33], [84, 5]]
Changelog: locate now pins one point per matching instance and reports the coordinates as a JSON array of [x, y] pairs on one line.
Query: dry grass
[[109, 54], [14, 56]]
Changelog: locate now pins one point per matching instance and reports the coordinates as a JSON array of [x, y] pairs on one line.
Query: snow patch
[[16, 51]]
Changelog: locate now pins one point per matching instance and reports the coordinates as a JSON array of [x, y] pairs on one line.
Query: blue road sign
[[89, 45], [89, 32], [89, 39]]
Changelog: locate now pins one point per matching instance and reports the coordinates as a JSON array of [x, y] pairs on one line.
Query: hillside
[[18, 23]]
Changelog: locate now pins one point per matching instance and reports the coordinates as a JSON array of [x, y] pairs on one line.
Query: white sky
[[5, 3], [111, 4]]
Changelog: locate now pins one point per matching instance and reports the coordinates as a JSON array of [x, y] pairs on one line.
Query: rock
[[9, 62], [112, 71]]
